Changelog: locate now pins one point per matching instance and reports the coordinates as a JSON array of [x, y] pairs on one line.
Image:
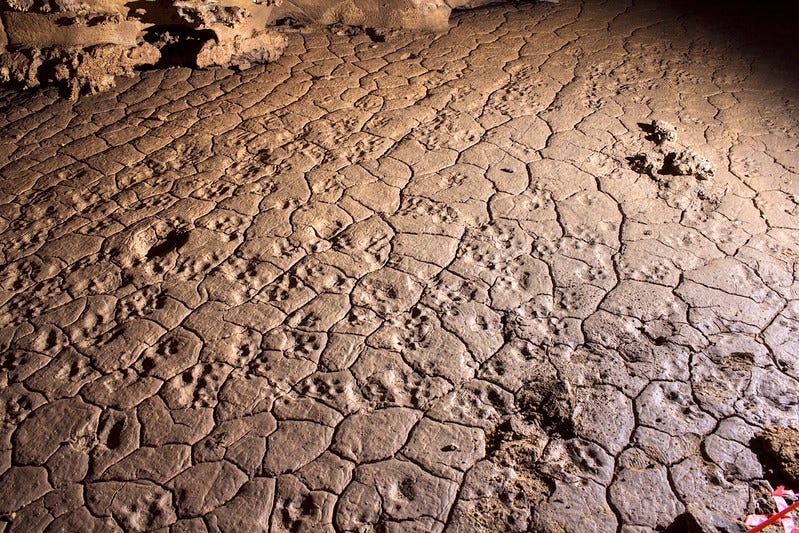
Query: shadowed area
[[767, 29]]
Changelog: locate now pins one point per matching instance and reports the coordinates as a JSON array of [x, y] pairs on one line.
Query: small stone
[[662, 132]]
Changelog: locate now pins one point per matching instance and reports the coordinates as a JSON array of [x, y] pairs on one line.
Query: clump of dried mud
[[683, 176], [502, 490], [778, 450]]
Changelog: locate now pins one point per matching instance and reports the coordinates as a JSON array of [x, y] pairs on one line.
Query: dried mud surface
[[439, 282]]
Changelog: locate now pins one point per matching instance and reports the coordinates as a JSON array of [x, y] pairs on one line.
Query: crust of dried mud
[[439, 282]]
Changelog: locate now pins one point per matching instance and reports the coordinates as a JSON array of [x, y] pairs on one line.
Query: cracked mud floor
[[423, 284]]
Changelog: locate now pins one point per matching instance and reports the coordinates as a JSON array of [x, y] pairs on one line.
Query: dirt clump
[[686, 163], [777, 448]]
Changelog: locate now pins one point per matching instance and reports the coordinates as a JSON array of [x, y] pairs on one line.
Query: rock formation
[[83, 45]]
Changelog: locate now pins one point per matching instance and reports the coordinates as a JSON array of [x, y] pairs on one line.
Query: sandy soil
[[433, 282]]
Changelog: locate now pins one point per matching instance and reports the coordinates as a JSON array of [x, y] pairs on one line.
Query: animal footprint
[[196, 387], [140, 303]]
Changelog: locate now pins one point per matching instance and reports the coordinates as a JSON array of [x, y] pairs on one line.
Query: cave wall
[[84, 45]]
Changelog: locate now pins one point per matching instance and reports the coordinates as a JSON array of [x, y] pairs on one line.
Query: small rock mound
[[683, 177], [663, 132], [687, 163], [777, 448]]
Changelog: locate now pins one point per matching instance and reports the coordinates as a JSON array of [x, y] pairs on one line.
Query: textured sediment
[[431, 282]]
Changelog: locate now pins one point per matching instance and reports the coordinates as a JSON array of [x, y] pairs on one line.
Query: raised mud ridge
[[84, 45]]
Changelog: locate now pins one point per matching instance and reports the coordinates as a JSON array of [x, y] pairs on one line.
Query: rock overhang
[[83, 46]]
